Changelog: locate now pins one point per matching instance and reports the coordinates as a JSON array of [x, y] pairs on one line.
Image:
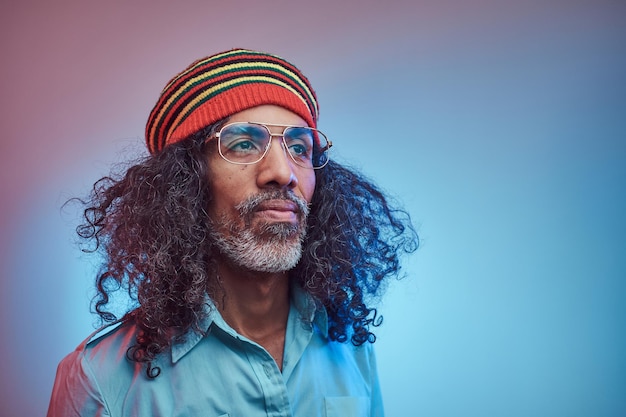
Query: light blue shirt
[[223, 374]]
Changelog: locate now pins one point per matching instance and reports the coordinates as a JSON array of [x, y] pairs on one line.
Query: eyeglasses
[[245, 143]]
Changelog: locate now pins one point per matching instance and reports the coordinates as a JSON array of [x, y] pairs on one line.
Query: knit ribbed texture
[[218, 86]]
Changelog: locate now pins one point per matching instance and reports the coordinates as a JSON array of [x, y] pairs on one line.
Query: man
[[251, 258]]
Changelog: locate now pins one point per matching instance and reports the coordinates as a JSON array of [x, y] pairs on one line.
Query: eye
[[243, 145], [298, 150], [244, 138], [300, 142]]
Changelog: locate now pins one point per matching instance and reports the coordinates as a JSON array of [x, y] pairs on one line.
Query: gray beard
[[273, 247]]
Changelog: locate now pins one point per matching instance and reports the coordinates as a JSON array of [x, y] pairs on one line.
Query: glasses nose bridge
[[280, 135], [282, 141]]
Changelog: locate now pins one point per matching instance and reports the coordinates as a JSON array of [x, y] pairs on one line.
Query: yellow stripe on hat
[[206, 94]]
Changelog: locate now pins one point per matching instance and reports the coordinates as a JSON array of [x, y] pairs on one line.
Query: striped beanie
[[218, 86]]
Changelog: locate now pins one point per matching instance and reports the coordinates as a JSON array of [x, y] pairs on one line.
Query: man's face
[[259, 211]]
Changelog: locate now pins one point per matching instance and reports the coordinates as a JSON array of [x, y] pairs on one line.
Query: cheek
[[219, 190], [228, 188], [307, 185]]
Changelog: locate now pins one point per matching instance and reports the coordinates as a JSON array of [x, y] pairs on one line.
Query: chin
[[286, 231]]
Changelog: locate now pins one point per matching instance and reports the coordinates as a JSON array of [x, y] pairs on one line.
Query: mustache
[[251, 204]]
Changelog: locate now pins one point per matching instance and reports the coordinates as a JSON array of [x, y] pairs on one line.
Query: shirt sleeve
[[377, 408], [76, 392]]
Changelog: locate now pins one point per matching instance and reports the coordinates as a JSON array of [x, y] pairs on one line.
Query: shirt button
[[267, 369]]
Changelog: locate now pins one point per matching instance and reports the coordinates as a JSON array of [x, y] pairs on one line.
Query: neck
[[256, 305]]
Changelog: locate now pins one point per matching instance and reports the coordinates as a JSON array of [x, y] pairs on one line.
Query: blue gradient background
[[499, 125]]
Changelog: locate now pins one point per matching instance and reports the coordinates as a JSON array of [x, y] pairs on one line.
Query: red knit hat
[[218, 86]]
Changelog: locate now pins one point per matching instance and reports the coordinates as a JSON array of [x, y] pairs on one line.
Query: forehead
[[268, 113]]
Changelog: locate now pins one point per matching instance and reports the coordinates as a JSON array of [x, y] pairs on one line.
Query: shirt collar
[[309, 310]]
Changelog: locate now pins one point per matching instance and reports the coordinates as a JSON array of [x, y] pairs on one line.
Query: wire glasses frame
[[247, 143]]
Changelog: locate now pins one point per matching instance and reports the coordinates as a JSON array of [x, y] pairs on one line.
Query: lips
[[278, 210]]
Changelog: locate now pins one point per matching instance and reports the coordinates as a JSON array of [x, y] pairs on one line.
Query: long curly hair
[[151, 225]]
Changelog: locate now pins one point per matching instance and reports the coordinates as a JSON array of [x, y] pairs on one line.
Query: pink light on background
[[499, 124]]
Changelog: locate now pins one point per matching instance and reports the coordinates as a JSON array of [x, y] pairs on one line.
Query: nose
[[276, 169]]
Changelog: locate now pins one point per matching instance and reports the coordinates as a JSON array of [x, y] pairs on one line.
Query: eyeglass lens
[[247, 143]]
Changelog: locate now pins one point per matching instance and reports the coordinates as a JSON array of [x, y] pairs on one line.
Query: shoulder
[[108, 340], [101, 357], [94, 372]]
